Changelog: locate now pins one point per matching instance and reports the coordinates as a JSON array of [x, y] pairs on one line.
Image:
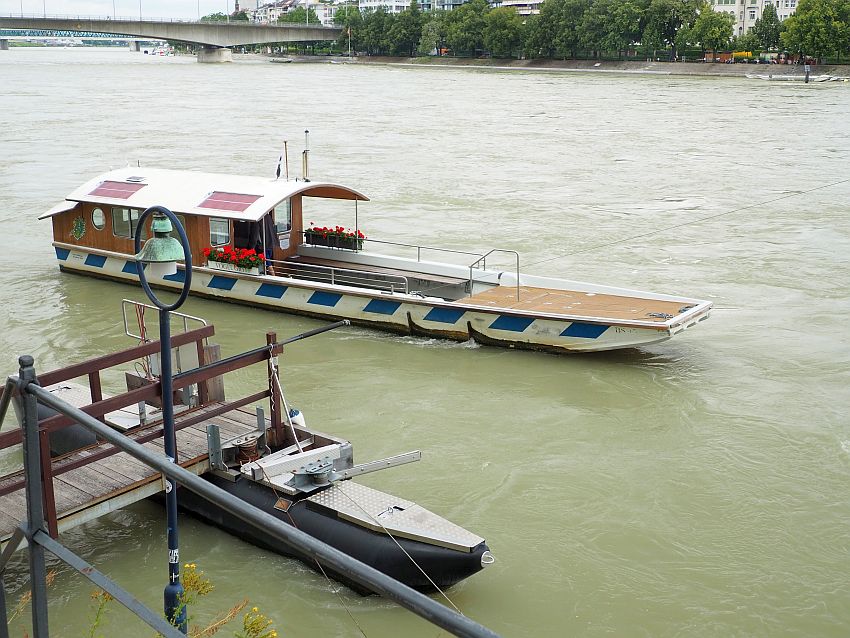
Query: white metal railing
[[340, 276], [483, 262], [419, 248], [139, 307]]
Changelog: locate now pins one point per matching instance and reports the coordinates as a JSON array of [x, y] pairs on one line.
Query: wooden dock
[[106, 484], [91, 481]]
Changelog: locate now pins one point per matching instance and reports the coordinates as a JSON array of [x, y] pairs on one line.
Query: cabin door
[[284, 244]]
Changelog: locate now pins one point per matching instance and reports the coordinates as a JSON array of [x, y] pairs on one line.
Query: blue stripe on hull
[[514, 324], [444, 315], [382, 306], [62, 253], [221, 283], [584, 330], [179, 276], [95, 260], [329, 299], [271, 290], [130, 268]]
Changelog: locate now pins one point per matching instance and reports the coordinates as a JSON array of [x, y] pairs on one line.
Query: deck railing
[[41, 533], [339, 276], [482, 261]]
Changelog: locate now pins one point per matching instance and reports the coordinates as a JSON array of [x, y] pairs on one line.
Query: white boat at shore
[[340, 274]]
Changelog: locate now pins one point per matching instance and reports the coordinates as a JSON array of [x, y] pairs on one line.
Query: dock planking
[[107, 484]]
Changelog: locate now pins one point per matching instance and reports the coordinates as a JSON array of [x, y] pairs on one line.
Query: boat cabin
[[216, 210]]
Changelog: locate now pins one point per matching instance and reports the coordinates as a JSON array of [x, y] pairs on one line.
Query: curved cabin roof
[[194, 193]]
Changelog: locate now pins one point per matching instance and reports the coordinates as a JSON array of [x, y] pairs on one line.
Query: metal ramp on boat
[[379, 511]]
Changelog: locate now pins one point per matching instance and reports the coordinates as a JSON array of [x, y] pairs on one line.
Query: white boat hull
[[396, 312]]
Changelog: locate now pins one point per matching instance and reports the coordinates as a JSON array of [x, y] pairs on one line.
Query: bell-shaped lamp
[[161, 251]]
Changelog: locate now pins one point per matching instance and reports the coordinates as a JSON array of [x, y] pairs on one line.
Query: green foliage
[[433, 33], [256, 625], [818, 28], [567, 17], [195, 585], [299, 16], [349, 18], [569, 28], [610, 25], [503, 32], [100, 599], [406, 31], [377, 25], [768, 28], [239, 16], [712, 29], [664, 20], [465, 27], [215, 17]]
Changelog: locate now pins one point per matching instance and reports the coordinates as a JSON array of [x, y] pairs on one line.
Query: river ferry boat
[[333, 273]]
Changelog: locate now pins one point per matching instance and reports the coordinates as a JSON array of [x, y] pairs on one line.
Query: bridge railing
[[154, 19]]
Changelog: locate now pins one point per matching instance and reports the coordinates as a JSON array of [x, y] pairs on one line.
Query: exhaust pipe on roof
[[304, 156]]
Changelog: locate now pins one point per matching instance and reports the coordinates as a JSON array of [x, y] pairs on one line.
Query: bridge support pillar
[[214, 55], [135, 46], [4, 45]]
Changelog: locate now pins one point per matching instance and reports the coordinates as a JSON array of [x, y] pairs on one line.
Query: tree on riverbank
[[299, 16], [236, 16], [819, 28], [589, 28], [712, 29], [503, 32], [768, 29]]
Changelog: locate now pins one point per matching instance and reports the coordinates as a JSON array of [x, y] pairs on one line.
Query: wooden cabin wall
[[197, 231], [295, 233]]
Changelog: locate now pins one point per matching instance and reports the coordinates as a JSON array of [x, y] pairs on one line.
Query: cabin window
[[124, 222], [219, 231], [283, 217], [98, 219]]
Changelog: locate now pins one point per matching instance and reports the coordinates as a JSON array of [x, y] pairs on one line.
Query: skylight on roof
[[116, 190], [228, 201]]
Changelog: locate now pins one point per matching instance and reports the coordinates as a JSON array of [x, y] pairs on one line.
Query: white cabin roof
[[194, 193]]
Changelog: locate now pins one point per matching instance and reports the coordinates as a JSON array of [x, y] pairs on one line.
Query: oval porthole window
[[98, 219]]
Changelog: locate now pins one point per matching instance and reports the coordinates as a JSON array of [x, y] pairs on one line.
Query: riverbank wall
[[700, 69]]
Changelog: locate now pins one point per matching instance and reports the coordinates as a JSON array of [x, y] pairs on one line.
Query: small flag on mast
[[279, 160]]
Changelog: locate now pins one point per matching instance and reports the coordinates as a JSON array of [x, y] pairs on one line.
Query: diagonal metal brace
[[11, 547], [120, 594]]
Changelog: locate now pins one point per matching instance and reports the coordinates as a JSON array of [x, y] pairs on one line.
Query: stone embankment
[[760, 71]]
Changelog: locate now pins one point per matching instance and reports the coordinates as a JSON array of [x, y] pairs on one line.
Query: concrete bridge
[[214, 37]]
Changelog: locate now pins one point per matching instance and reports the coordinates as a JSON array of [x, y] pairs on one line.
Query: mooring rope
[[412, 560], [334, 589]]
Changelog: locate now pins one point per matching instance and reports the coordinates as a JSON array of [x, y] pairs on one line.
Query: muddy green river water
[[697, 487]]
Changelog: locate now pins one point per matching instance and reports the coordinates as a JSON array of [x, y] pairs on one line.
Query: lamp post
[[162, 252]]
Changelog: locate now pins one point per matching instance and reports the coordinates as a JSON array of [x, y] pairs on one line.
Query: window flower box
[[238, 260], [336, 237], [219, 265]]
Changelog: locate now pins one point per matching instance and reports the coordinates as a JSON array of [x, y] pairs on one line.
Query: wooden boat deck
[[582, 304], [104, 485]]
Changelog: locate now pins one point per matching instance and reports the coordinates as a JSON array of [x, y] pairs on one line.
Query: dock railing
[[37, 471]]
